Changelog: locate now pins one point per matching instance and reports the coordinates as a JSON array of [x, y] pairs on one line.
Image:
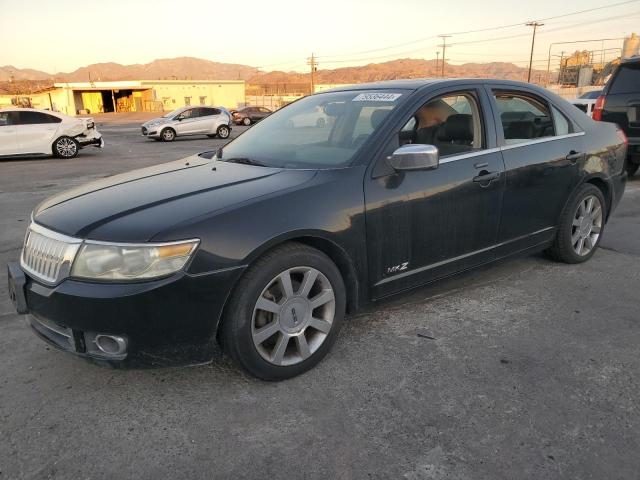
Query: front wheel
[[223, 132], [285, 314], [168, 135], [65, 147], [581, 226], [246, 121]]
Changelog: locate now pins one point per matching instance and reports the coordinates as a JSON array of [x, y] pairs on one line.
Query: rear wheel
[[65, 147], [246, 121], [168, 135], [581, 226], [285, 314]]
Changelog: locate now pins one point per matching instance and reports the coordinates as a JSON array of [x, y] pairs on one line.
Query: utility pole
[[437, 61], [444, 50], [314, 68], [535, 26]]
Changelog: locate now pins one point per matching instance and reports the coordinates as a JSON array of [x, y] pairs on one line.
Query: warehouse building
[[138, 96]]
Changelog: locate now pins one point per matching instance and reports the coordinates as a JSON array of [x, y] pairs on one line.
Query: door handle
[[487, 177], [574, 156]]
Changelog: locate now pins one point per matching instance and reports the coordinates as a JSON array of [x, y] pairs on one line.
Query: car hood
[[139, 205], [156, 121]]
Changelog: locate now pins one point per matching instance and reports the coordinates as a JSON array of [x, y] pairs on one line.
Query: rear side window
[[34, 118], [5, 119], [561, 124], [523, 117], [626, 80]]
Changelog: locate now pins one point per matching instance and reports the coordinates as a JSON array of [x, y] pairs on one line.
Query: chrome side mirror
[[415, 157]]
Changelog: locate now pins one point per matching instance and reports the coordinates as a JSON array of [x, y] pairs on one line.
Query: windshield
[[319, 131], [175, 112]]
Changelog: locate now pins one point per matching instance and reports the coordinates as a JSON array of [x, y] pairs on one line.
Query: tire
[[246, 121], [320, 123], [168, 135], [581, 226], [65, 147], [223, 132], [631, 168], [274, 336]]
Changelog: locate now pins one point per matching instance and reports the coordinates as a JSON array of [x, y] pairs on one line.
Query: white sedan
[[30, 132]]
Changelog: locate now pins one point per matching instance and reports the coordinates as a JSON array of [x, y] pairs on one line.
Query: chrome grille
[[47, 255]]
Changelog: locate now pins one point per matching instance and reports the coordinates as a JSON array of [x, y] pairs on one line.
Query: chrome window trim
[[541, 140], [463, 156]]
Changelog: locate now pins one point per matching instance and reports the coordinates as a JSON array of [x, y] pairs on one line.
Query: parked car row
[[29, 132]]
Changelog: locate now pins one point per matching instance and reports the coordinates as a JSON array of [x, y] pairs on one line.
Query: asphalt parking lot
[[528, 369]]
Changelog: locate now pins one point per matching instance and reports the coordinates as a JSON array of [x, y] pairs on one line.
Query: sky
[[62, 35]]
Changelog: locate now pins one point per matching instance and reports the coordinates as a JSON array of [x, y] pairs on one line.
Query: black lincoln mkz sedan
[[266, 244]]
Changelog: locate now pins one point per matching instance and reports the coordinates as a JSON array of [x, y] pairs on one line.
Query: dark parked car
[[620, 104], [267, 245], [249, 115]]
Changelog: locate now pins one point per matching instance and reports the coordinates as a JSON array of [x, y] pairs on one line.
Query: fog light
[[111, 344]]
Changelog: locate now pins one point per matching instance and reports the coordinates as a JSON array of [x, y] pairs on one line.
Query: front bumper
[[161, 315]]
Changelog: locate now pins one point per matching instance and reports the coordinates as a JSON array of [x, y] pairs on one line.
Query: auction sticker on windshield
[[377, 97]]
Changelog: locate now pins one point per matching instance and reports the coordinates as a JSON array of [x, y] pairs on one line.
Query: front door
[[188, 123], [36, 131], [541, 150], [422, 225]]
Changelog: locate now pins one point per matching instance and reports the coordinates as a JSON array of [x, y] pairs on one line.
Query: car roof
[[23, 109], [419, 83], [634, 59]]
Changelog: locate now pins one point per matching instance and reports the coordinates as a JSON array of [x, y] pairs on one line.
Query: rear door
[[426, 224], [541, 149], [36, 131], [8, 138], [622, 101], [209, 120]]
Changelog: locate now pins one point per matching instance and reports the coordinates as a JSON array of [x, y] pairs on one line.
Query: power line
[[486, 29]]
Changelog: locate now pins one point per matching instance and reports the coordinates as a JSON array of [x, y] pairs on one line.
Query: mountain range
[[199, 69]]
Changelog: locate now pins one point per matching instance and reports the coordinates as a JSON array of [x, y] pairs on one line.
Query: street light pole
[[535, 26]]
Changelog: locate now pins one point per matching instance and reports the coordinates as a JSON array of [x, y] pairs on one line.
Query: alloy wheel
[[586, 225], [66, 147], [223, 132], [293, 316]]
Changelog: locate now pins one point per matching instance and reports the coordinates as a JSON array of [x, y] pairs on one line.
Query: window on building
[[187, 101], [203, 100]]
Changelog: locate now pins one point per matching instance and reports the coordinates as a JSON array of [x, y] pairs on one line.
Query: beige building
[[136, 96]]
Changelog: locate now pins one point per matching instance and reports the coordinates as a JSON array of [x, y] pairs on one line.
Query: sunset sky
[[63, 35]]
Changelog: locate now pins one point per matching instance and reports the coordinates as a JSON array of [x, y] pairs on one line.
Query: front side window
[[450, 122], [325, 130], [523, 117]]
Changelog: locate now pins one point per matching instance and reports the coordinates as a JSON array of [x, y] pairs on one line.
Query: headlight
[[105, 261]]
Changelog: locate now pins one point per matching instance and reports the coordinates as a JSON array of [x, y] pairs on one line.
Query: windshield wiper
[[245, 161]]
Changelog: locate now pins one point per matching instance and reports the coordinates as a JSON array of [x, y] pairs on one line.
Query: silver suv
[[209, 121]]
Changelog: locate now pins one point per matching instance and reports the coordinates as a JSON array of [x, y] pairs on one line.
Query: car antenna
[[216, 157]]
